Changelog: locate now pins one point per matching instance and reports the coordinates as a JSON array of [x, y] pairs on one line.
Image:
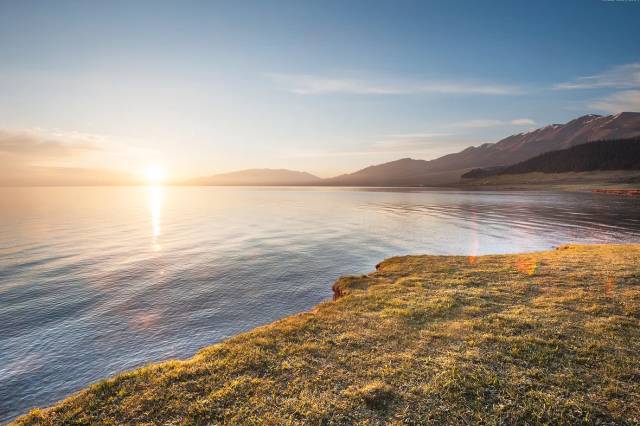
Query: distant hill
[[258, 177], [513, 149], [401, 172], [601, 155]]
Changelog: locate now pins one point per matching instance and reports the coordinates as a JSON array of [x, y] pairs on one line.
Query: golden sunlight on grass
[[549, 337]]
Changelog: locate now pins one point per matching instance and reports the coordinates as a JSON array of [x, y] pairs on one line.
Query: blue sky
[[326, 87]]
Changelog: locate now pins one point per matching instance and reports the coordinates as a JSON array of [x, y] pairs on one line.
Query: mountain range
[[613, 154], [449, 168]]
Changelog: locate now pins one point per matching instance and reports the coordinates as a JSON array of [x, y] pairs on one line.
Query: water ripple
[[98, 280]]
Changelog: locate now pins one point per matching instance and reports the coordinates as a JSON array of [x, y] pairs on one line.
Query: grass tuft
[[376, 395]]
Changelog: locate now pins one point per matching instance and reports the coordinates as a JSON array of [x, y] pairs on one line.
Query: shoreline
[[566, 181], [393, 343], [622, 192]]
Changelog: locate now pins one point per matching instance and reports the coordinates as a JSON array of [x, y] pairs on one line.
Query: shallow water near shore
[[94, 281]]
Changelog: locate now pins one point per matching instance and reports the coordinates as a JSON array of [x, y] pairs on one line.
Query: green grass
[[549, 337]]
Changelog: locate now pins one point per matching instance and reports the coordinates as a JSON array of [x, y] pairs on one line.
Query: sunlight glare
[[155, 174]]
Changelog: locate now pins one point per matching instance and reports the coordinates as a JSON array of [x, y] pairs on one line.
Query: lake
[[94, 281]]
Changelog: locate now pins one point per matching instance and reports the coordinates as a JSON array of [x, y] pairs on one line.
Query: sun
[[155, 174]]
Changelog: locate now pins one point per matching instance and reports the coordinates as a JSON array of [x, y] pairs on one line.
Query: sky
[[101, 90]]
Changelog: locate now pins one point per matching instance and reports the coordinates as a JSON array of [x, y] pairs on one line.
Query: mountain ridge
[[615, 154], [449, 168], [510, 150], [263, 177]]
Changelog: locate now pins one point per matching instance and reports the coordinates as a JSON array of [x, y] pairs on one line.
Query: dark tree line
[[621, 154]]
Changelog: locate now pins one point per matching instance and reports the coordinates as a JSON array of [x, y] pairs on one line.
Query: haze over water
[[94, 281]]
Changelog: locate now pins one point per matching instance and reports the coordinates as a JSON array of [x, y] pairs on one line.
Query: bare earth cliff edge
[[546, 337]]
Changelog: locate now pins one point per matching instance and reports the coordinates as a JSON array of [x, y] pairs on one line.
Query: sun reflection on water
[[156, 199]]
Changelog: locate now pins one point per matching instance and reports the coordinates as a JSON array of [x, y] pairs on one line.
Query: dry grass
[[550, 337], [570, 181]]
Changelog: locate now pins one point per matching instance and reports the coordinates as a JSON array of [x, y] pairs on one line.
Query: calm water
[[98, 280]]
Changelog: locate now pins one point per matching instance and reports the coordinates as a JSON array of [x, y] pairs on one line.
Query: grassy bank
[[570, 181], [542, 337]]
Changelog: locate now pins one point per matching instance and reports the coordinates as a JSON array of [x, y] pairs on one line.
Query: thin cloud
[[410, 149], [409, 142], [523, 122], [303, 84], [427, 135], [37, 145], [627, 100], [419, 143], [39, 157], [395, 144], [619, 77], [487, 123]]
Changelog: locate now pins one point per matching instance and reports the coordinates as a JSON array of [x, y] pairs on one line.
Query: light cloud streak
[[409, 142], [429, 143], [304, 84], [39, 157], [38, 145], [426, 145], [619, 77], [626, 100], [488, 123], [427, 135]]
